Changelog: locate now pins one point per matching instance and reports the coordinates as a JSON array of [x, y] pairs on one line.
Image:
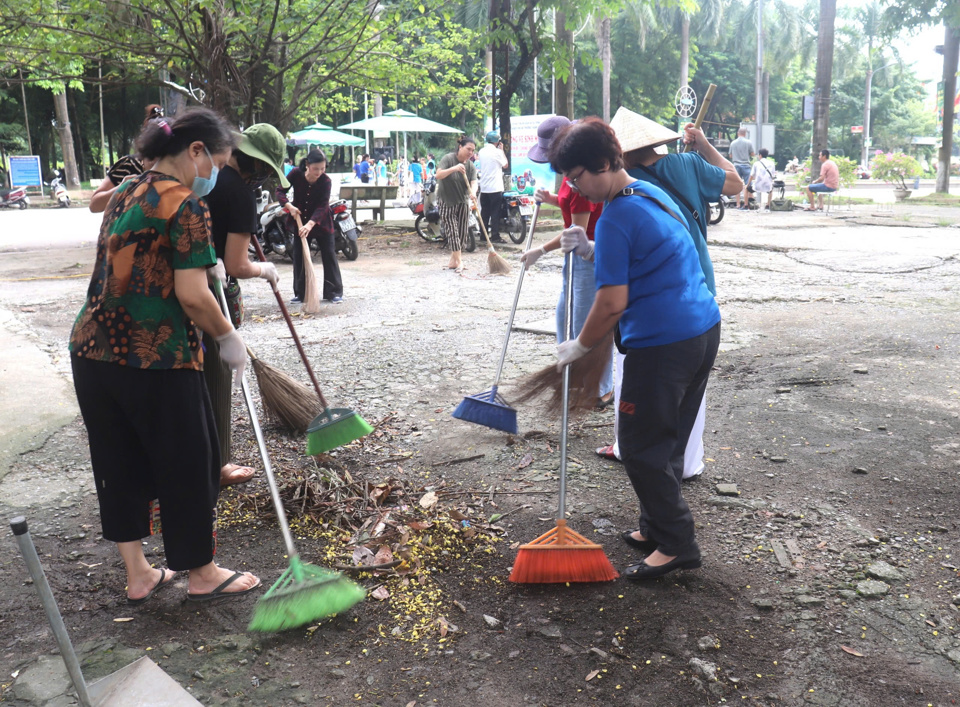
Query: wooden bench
[[368, 192]]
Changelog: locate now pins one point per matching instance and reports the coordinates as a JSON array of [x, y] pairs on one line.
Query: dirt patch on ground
[[832, 409]]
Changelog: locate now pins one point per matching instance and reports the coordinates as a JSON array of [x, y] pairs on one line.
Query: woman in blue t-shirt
[[651, 286]]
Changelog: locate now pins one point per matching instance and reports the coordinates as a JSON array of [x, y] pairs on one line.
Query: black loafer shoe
[[643, 571], [646, 546]]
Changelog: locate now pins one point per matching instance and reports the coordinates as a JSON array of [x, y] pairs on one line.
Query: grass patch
[[416, 262], [937, 200], [945, 222]]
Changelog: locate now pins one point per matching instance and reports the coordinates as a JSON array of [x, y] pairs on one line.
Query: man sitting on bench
[[827, 182]]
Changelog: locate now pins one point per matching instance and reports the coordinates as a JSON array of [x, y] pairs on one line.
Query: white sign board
[[767, 137]]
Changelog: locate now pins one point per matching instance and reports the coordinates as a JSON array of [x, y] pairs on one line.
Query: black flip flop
[[218, 593], [158, 586]]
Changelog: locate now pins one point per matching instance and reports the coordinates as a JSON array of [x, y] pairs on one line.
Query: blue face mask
[[204, 185]]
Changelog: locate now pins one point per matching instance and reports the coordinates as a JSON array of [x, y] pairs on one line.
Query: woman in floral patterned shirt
[[137, 361]]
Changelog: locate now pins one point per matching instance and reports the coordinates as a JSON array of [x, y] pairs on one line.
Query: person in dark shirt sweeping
[[311, 198]]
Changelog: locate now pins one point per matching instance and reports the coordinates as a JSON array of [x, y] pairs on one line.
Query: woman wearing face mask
[[311, 196], [137, 361]]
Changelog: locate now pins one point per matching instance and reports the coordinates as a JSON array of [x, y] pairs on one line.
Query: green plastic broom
[[304, 593]]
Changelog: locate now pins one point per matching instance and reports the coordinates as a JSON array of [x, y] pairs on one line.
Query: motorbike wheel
[[22, 204], [430, 232], [716, 213], [470, 242], [350, 250], [513, 226]]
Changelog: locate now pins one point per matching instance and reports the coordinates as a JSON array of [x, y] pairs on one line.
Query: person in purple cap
[[577, 211]]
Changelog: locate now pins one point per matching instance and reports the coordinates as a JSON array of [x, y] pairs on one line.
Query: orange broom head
[[559, 556]]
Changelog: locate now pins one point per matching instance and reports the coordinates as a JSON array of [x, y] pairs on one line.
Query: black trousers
[[152, 436], [490, 211], [332, 283], [662, 390], [219, 380]]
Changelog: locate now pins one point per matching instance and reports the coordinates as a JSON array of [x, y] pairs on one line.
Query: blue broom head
[[488, 409]]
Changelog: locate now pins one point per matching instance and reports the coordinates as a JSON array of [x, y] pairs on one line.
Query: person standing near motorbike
[[233, 222], [491, 161], [455, 196], [311, 196]]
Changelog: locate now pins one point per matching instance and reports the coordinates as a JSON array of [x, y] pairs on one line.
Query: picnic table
[[368, 192]]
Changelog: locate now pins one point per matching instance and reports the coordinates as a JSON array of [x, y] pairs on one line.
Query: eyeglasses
[[572, 181]]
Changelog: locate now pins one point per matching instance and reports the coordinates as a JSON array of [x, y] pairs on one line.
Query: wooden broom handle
[[293, 331], [702, 113], [477, 209]]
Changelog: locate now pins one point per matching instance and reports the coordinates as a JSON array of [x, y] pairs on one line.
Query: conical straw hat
[[635, 132]]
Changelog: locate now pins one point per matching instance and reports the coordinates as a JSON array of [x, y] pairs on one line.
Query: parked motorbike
[[424, 206], [14, 197], [717, 210], [345, 230], [515, 213], [276, 231], [59, 191]]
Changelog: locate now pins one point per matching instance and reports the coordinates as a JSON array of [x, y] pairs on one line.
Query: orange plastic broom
[[562, 555]]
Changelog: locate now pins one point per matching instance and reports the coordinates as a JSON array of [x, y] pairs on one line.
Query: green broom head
[[333, 428], [304, 594], [488, 409]]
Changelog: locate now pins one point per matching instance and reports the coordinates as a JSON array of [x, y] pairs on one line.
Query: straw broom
[[311, 296], [585, 375], [285, 399], [496, 265]]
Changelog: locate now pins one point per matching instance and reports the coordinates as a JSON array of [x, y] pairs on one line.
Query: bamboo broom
[[496, 265], [702, 113], [311, 296]]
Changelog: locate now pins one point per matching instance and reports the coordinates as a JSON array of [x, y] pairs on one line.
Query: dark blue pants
[[662, 389]]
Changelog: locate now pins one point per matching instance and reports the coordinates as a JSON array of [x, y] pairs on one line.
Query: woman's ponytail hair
[[164, 137]]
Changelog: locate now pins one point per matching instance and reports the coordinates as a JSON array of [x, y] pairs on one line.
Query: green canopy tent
[[320, 134], [401, 121]]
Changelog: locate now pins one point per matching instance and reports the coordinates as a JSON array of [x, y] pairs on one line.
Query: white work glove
[[268, 271], [529, 257], [217, 272], [575, 239], [570, 351], [233, 352]]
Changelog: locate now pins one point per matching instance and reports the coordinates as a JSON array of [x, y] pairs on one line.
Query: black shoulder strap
[[677, 195], [630, 191]]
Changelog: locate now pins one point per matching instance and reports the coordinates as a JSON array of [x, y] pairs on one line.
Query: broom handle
[[264, 456], [19, 527], [702, 113], [568, 330], [293, 331], [473, 202], [516, 298]]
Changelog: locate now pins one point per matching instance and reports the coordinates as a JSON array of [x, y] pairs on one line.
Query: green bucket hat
[[264, 142]]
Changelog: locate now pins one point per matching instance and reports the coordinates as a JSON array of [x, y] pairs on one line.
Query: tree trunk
[[79, 139], [684, 49], [821, 107], [565, 89], [951, 52], [603, 44], [72, 178]]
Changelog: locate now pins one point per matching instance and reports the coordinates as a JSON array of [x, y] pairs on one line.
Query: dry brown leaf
[[363, 556], [412, 703], [444, 626], [457, 515], [930, 623], [851, 651], [428, 500], [526, 461], [383, 556], [122, 621], [380, 593], [592, 675]]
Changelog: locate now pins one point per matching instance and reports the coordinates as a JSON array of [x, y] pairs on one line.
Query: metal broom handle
[[565, 415], [265, 457], [516, 296], [29, 552]]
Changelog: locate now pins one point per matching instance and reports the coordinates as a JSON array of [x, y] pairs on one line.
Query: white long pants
[[692, 455]]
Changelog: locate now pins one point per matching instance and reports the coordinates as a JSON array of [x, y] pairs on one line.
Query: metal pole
[[29, 552], [864, 158], [26, 118], [759, 135]]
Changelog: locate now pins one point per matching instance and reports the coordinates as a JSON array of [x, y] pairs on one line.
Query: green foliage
[[846, 167], [895, 167]]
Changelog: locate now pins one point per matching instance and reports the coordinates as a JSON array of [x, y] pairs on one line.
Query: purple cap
[[548, 128]]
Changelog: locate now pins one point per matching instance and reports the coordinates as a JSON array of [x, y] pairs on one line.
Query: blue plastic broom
[[489, 408]]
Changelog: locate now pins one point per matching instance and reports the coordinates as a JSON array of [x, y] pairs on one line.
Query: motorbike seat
[[511, 193], [4, 193]]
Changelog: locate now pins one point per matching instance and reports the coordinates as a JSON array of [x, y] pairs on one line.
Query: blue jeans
[[744, 171], [584, 290], [820, 188]]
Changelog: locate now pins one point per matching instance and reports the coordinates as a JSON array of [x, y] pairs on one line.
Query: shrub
[[895, 167], [846, 167]]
